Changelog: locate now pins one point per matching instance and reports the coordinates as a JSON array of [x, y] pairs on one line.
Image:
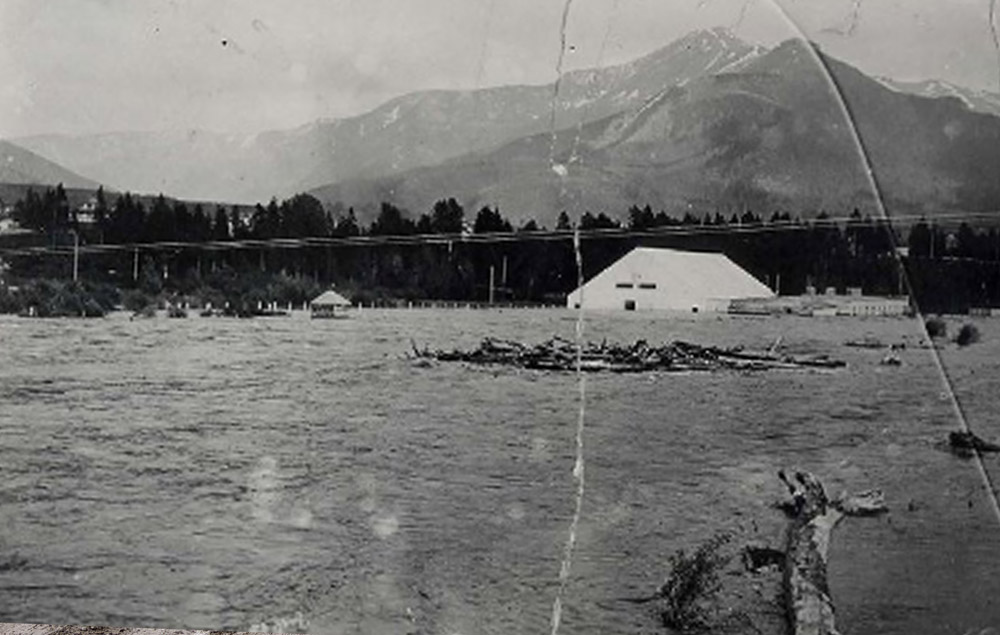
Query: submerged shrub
[[692, 586], [936, 327], [9, 303], [968, 334], [57, 298], [135, 300]]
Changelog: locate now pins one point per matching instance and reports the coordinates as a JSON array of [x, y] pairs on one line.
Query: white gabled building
[[669, 279]]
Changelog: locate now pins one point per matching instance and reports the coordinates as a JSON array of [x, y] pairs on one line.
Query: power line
[[663, 231]]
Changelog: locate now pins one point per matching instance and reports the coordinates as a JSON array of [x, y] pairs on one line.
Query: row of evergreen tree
[[948, 270], [128, 221]]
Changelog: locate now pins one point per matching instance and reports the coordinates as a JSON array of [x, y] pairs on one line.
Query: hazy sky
[[82, 66]]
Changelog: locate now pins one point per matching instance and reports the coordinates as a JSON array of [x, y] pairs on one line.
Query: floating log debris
[[967, 443], [874, 343], [866, 342], [560, 354]]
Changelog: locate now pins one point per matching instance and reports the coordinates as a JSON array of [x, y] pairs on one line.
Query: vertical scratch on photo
[[578, 465], [555, 87], [873, 183], [995, 37], [573, 156], [852, 23], [481, 64], [742, 16]]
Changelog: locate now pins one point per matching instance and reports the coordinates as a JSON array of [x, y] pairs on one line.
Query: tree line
[[948, 269], [128, 220]]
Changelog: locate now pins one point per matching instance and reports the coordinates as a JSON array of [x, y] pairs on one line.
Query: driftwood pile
[[561, 355]]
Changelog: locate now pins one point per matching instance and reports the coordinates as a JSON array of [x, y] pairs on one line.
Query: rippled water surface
[[231, 473]]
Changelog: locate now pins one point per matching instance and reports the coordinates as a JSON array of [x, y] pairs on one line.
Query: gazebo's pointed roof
[[330, 298]]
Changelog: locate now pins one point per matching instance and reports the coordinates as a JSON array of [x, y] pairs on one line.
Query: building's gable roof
[[687, 277], [328, 298], [692, 272]]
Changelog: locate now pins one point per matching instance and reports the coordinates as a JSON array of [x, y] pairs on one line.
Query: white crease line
[[879, 201], [578, 466]]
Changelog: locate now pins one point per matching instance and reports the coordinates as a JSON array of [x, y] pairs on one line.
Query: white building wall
[[669, 279]]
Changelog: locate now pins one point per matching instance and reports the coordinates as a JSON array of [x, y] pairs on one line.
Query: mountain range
[[707, 123], [21, 166], [779, 131]]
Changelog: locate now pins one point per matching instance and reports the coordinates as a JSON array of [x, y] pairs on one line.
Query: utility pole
[[491, 284], [76, 255], [900, 272], [135, 265]]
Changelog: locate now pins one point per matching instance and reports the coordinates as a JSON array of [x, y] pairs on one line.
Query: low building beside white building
[[874, 306], [854, 304], [649, 278]]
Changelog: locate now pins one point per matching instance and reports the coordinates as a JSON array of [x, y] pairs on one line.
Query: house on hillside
[[7, 222], [668, 279], [86, 212]]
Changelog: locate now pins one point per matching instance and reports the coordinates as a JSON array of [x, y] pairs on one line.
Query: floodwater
[[304, 475]]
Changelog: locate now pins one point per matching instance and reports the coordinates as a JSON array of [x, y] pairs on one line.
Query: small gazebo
[[327, 303]]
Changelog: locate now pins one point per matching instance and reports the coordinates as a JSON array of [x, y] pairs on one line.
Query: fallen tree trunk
[[813, 517]]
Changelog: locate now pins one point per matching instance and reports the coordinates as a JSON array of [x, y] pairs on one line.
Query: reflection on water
[[304, 475]]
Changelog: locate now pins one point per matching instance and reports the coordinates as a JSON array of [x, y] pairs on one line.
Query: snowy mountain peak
[[976, 100]]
